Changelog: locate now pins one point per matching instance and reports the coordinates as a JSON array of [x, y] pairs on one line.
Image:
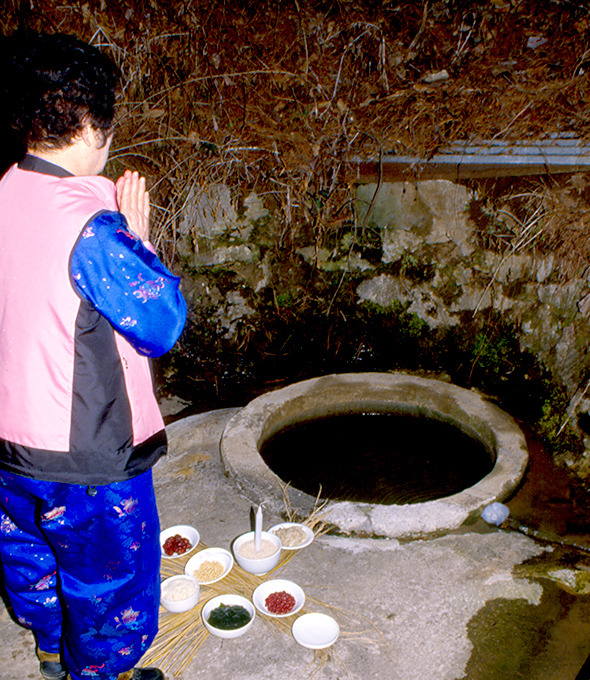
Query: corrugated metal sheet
[[465, 160]]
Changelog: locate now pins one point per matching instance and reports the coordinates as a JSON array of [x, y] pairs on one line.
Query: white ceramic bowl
[[183, 530], [309, 535], [276, 586], [315, 631], [173, 605], [229, 599], [224, 557], [257, 565]]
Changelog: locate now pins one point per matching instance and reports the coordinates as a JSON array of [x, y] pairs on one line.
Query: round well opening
[[382, 395], [389, 458]]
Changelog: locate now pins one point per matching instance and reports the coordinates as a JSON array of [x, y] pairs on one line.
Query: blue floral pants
[[82, 570]]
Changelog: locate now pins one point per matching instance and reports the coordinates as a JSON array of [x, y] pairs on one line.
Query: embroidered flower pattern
[[44, 583], [7, 526], [128, 234], [148, 290], [54, 513], [128, 617], [93, 671], [128, 505], [128, 322]]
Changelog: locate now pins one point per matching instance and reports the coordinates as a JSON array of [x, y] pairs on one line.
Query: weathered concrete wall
[[427, 225], [552, 316]]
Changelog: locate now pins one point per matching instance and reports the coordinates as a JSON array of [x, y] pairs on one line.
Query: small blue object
[[495, 513]]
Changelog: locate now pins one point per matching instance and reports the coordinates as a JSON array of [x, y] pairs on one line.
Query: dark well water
[[377, 458]]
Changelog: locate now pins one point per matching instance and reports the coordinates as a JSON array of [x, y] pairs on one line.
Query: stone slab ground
[[448, 608]]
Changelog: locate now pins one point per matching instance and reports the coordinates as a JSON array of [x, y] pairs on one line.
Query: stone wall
[[430, 220], [423, 226]]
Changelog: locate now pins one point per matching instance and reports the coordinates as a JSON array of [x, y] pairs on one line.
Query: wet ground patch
[[513, 639]]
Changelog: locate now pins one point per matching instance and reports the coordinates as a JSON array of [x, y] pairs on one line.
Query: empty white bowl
[[183, 530], [315, 631], [309, 535], [257, 565], [229, 600], [170, 593], [278, 585], [224, 557]]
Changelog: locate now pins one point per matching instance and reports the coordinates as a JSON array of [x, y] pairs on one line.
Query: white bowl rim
[[179, 529], [267, 587], [286, 525], [230, 598], [212, 602], [261, 565], [242, 538], [263, 534], [302, 623], [172, 603], [210, 553]]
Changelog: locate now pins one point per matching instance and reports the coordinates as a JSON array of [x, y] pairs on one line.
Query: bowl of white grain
[[179, 593], [257, 561]]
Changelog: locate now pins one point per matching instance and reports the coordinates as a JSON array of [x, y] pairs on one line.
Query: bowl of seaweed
[[228, 616]]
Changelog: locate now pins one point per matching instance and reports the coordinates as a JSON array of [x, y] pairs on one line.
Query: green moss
[[349, 238], [555, 426], [286, 300], [416, 268], [263, 232], [493, 355], [449, 291]]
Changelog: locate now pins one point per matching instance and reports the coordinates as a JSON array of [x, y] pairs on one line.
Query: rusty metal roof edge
[[483, 159], [488, 158], [562, 150]]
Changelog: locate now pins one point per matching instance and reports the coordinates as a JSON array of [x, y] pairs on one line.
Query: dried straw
[[216, 93], [181, 636]]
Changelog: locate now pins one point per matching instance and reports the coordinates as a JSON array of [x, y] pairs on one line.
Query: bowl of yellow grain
[[209, 565]]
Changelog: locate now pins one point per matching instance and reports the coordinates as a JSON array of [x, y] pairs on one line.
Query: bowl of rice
[[179, 593], [209, 565], [293, 535], [257, 561]]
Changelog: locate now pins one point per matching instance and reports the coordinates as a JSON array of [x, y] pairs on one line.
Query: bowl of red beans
[[178, 541], [278, 597]]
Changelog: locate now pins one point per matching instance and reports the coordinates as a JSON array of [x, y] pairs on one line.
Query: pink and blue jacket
[[83, 304]]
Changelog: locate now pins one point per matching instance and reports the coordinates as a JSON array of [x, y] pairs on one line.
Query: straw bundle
[[181, 635]]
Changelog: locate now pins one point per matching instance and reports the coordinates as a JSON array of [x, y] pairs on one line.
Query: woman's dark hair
[[54, 85]]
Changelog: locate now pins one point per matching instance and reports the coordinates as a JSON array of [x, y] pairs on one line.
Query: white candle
[[258, 529]]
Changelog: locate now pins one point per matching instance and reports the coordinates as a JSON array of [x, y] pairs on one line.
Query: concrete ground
[[472, 605]]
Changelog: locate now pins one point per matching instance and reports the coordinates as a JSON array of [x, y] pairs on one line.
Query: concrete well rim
[[239, 448]]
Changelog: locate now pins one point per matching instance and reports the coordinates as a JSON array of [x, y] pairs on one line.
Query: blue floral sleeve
[[128, 285]]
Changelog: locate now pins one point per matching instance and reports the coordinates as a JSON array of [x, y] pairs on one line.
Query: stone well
[[375, 393]]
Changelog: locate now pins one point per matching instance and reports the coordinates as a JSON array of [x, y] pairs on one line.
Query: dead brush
[[283, 100]]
